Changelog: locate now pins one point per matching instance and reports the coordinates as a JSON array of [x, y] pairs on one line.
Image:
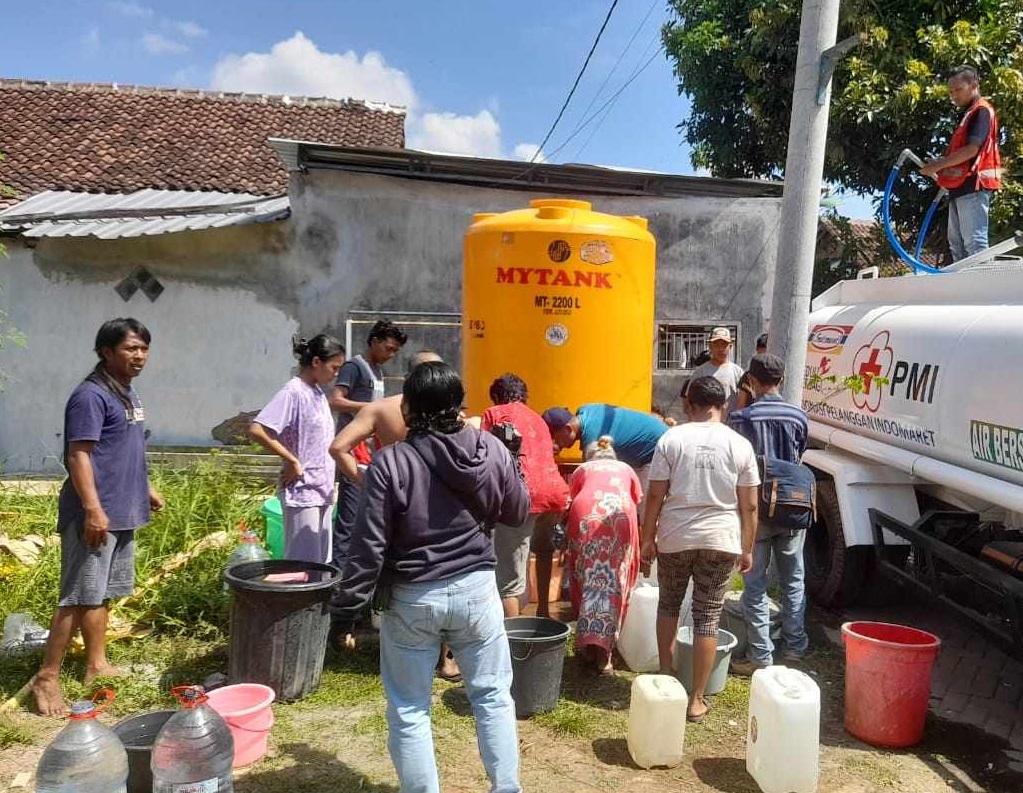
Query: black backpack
[[788, 494]]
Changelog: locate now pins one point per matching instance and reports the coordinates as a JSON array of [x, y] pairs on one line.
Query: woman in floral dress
[[603, 550]]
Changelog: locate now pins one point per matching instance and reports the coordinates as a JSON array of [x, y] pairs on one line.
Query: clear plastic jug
[[657, 721], [249, 549], [86, 756], [637, 640], [194, 750], [783, 731]]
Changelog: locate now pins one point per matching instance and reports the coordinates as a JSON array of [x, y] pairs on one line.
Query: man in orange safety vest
[[971, 168]]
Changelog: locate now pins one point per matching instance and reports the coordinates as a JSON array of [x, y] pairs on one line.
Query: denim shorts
[[91, 576]]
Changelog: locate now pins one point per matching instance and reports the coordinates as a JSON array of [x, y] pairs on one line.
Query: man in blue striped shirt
[[779, 430]]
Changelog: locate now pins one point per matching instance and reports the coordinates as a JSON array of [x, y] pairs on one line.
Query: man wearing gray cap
[[777, 430], [720, 367]]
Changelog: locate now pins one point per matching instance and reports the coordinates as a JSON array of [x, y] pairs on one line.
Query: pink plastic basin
[[246, 709]]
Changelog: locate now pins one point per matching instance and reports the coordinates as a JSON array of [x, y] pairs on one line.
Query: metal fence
[[679, 345], [440, 332]]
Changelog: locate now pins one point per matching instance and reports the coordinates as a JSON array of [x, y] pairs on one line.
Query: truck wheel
[[835, 574]]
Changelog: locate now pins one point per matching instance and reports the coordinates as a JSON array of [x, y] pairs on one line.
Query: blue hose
[[918, 253], [886, 221]]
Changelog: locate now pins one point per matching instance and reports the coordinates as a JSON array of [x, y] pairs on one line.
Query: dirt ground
[[334, 743]]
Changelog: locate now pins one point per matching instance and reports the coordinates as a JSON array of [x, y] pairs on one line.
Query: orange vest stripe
[[987, 165]]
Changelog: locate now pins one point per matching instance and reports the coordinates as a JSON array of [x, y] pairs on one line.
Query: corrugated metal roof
[[142, 213], [570, 178]]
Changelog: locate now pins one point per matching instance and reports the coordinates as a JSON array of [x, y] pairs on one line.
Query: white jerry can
[[637, 640], [783, 731], [657, 721]]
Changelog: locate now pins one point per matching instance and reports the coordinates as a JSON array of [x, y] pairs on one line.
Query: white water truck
[[914, 390]]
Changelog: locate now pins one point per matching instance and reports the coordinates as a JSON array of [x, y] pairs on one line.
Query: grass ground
[[335, 739]]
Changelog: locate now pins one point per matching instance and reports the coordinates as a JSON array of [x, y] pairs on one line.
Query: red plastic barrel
[[887, 681]]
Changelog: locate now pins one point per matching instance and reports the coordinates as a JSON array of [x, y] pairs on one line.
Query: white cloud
[[161, 45], [189, 29], [525, 151], [298, 67], [129, 9], [479, 135], [90, 41]]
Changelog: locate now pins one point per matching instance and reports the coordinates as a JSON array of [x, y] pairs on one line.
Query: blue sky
[[480, 78]]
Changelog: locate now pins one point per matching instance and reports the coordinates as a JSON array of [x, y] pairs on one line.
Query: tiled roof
[[871, 245], [116, 138]]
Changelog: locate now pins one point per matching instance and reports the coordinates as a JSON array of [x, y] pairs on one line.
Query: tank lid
[[480, 216], [564, 203]]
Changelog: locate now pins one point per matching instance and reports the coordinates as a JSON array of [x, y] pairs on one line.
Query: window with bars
[[679, 344]]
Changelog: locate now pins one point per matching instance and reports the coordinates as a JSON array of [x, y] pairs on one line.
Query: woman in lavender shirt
[[298, 427]]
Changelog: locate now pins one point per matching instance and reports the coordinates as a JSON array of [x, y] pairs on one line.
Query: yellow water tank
[[563, 297]]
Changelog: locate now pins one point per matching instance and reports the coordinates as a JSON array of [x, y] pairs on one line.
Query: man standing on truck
[[777, 430], [971, 167]]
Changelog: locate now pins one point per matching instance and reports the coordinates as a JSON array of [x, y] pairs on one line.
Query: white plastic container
[[657, 721], [637, 640], [783, 731]]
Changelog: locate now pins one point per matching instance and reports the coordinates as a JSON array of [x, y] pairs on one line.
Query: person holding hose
[[971, 167]]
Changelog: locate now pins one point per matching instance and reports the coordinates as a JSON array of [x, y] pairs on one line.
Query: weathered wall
[[219, 345], [396, 245], [234, 297]]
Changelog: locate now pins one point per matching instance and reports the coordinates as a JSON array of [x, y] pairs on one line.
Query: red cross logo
[[870, 369], [872, 360]]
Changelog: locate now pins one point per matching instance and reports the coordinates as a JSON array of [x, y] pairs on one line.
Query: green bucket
[[274, 520]]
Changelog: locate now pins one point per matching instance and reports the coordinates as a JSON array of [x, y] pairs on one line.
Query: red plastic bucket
[[887, 681]]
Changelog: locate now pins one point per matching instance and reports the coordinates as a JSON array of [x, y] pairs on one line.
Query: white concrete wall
[[234, 297], [216, 351]]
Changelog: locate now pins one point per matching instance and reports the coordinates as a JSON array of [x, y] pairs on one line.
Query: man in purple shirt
[[106, 497]]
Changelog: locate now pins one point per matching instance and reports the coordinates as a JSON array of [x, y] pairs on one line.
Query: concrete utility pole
[[804, 166]]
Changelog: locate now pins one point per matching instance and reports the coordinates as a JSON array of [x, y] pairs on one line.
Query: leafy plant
[[854, 383], [201, 499], [735, 60]]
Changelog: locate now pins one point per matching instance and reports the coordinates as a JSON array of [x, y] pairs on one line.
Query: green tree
[[735, 60]]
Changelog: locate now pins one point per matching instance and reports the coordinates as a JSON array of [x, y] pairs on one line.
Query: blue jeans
[[464, 611], [348, 495], [967, 224], [787, 550]]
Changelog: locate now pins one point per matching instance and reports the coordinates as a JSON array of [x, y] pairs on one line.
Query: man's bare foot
[[49, 698], [103, 670], [448, 669]]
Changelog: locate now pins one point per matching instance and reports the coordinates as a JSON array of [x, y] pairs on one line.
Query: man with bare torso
[[381, 423]]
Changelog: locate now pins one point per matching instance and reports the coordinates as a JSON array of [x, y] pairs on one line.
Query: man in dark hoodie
[[422, 543]]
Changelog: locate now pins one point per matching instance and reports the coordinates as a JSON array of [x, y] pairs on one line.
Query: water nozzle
[[907, 154]]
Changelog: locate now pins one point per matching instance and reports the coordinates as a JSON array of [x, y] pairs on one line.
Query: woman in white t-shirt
[[700, 522]]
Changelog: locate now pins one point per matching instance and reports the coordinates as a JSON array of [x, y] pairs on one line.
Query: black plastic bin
[[137, 734], [538, 658], [279, 628]]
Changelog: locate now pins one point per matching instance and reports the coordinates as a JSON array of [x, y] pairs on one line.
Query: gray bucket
[[137, 734], [682, 660], [733, 620], [538, 658]]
